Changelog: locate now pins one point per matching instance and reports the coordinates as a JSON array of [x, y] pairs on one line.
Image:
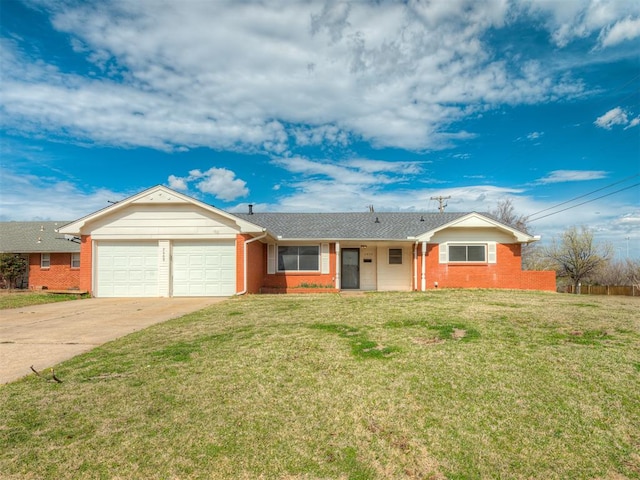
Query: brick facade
[[58, 276], [505, 273]]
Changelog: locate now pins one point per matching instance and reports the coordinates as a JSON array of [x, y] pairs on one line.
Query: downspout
[[415, 266], [247, 242], [423, 284], [338, 262]]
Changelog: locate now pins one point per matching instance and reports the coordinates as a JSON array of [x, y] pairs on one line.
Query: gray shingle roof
[[34, 237], [354, 225]]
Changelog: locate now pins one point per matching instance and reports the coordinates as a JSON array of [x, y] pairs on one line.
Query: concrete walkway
[[44, 335]]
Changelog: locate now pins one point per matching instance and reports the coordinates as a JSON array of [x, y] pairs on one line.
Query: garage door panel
[[204, 268], [127, 269]]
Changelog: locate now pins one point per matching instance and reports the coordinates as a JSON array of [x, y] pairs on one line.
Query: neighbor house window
[[299, 258], [395, 256], [45, 260], [75, 260], [467, 253]]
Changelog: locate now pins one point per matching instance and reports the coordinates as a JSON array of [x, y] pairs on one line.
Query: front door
[[350, 268]]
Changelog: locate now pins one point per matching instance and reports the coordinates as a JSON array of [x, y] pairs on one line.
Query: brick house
[[53, 260], [161, 243]]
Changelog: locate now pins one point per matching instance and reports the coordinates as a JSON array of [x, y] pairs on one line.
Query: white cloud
[[561, 176], [535, 135], [616, 116], [219, 182], [626, 29], [270, 76], [613, 20]]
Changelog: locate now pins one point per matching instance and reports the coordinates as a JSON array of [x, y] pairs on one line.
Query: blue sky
[[326, 106]]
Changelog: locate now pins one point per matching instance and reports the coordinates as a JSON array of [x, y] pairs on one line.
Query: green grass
[[25, 299], [448, 384]]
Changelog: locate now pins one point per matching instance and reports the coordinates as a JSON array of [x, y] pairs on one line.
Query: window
[[45, 260], [395, 256], [75, 260], [299, 258], [467, 253]]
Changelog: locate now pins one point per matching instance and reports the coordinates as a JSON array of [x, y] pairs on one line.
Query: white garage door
[[204, 269], [127, 269]]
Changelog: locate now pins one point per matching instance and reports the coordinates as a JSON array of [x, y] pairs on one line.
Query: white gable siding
[[483, 235], [150, 222]]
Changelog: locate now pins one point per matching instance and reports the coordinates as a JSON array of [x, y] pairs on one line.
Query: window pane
[[476, 253], [75, 260], [457, 253], [308, 258], [287, 258], [45, 260], [395, 256]]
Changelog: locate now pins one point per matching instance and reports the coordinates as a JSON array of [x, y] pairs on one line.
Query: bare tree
[[532, 257], [577, 256], [505, 212]]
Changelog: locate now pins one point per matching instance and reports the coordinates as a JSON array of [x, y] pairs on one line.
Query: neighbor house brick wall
[[256, 264], [58, 276], [505, 273]]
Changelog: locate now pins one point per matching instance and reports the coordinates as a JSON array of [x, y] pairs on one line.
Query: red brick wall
[[59, 275], [86, 263], [293, 279], [256, 266], [505, 273]]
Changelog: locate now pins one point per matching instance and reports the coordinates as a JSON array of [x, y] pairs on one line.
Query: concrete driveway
[[44, 335]]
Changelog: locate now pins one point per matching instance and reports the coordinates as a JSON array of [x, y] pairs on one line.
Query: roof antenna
[[371, 210]]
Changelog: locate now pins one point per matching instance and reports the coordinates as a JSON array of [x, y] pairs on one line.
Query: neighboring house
[[161, 243], [54, 261]]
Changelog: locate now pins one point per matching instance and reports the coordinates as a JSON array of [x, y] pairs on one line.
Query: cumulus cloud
[[270, 76], [561, 176], [616, 116], [219, 182]]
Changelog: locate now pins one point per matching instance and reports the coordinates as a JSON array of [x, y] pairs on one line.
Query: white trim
[[324, 259], [42, 262], [271, 258], [423, 280], [338, 263]]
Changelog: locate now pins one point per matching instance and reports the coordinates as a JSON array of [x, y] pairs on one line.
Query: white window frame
[[490, 253], [75, 260], [395, 256], [319, 259], [45, 260]]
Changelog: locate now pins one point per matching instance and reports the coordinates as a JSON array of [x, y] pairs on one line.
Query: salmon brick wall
[[86, 263], [505, 273], [256, 264], [59, 275]]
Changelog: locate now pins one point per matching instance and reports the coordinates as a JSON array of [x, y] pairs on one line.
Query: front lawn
[[18, 299], [445, 384]]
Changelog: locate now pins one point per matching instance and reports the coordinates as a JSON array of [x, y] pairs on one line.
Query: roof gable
[[476, 220], [158, 195]]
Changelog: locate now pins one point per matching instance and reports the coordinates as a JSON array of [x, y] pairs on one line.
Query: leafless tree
[[577, 255], [505, 212]]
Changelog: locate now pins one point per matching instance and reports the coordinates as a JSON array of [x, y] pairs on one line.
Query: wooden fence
[[631, 291]]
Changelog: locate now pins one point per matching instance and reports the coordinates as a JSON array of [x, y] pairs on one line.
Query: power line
[[585, 195], [588, 201]]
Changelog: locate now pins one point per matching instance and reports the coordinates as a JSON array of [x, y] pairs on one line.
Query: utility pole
[[441, 203]]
